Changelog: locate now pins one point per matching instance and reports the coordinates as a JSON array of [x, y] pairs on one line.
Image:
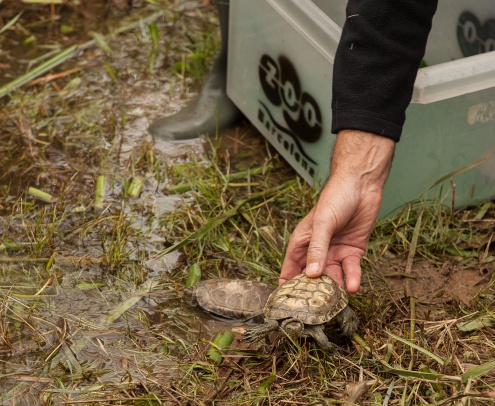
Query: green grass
[[414, 358]]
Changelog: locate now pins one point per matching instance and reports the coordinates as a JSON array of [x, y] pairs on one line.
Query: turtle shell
[[311, 300], [233, 298]]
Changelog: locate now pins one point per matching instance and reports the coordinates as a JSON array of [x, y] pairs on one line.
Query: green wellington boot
[[212, 110]]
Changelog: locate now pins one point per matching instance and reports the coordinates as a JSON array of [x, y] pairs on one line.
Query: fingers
[[352, 269], [310, 250], [295, 258], [289, 270], [323, 230], [335, 272], [350, 266], [294, 262]]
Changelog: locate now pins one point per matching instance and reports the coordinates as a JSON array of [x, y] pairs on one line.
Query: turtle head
[[293, 328]]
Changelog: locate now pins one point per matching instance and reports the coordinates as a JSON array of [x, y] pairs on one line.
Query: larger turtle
[[232, 298], [304, 306]]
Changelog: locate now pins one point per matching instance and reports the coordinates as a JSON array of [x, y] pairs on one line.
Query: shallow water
[[80, 320]]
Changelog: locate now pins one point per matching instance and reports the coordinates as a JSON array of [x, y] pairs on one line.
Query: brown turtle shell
[[233, 298], [311, 300]]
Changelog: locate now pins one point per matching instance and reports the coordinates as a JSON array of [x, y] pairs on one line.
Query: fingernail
[[313, 269]]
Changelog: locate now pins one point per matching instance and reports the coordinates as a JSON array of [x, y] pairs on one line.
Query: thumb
[[322, 232]]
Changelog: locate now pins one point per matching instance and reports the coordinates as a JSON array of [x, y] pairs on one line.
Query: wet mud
[[436, 285]]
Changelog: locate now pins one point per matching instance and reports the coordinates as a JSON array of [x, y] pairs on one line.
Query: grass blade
[[417, 347], [10, 23], [143, 290], [43, 1], [430, 376], [186, 187], [476, 324], [39, 70], [478, 370], [265, 384], [101, 42], [210, 225]]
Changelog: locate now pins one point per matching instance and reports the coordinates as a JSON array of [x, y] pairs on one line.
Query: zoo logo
[[302, 115], [473, 37]]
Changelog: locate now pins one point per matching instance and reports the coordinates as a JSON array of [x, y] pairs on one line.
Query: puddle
[[42, 29], [83, 321]]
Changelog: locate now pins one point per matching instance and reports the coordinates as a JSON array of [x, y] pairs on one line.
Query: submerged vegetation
[[102, 228]]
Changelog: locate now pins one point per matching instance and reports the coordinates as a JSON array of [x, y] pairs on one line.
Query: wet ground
[[91, 310], [71, 272], [60, 300]]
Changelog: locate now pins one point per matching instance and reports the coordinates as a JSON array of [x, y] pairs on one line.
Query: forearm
[[382, 44], [374, 73]]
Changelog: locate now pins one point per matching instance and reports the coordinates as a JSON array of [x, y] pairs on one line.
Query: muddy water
[[69, 336], [79, 323], [83, 323]]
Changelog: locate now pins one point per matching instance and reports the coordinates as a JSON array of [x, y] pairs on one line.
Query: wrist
[[362, 158]]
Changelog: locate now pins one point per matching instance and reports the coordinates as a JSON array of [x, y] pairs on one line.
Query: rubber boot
[[212, 110]]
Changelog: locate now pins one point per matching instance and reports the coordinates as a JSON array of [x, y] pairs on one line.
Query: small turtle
[[232, 298], [304, 306]]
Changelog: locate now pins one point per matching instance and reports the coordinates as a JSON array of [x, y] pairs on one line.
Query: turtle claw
[[257, 333], [250, 336]]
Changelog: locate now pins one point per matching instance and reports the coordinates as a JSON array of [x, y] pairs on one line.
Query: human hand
[[332, 238]]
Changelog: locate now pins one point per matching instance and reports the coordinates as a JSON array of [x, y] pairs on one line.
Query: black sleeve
[[376, 63]]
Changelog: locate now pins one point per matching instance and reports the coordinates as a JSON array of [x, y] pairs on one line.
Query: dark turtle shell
[[233, 298], [311, 300]]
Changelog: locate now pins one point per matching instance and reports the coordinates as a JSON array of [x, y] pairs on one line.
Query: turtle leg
[[257, 333], [320, 337], [348, 321]]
